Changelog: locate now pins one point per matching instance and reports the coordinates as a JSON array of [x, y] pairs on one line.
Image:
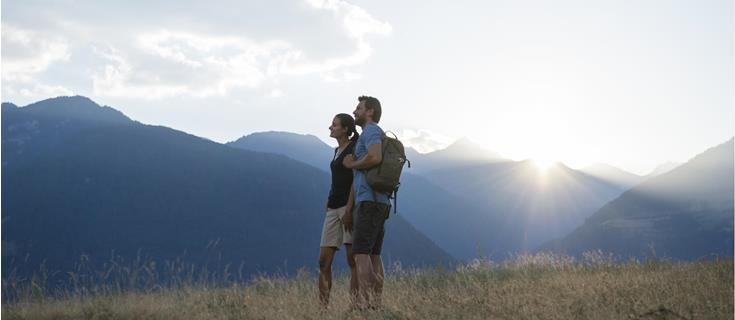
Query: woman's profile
[[338, 219]]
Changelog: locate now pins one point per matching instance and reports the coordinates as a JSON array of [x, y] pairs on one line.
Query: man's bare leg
[[326, 256], [353, 272], [366, 278], [379, 276]]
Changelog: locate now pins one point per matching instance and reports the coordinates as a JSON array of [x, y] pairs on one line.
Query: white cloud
[[214, 65], [41, 90], [197, 52], [116, 78], [199, 65], [356, 20], [35, 91], [343, 77], [423, 140], [358, 23], [276, 93], [27, 53]]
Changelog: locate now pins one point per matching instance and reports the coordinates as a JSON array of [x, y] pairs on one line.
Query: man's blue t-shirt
[[371, 134]]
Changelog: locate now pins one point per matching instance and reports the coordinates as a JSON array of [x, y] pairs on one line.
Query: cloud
[[117, 78], [27, 53], [357, 21], [343, 77], [198, 50], [187, 63], [423, 140], [275, 93], [35, 91]]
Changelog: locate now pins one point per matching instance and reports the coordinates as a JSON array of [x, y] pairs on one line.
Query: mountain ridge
[[94, 186], [77, 107], [613, 174], [685, 213]]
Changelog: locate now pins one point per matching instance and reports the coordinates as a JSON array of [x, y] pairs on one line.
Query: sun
[[543, 163]]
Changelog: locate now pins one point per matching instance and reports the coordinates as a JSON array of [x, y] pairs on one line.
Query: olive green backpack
[[385, 177]]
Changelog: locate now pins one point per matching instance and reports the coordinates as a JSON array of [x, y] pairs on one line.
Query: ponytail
[[355, 135], [347, 122]]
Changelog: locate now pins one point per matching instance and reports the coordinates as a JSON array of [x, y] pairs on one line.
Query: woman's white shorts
[[333, 232]]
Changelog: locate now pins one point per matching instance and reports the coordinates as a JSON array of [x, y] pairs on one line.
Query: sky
[[629, 83]]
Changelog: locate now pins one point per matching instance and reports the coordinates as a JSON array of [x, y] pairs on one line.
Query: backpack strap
[[395, 199], [393, 195]]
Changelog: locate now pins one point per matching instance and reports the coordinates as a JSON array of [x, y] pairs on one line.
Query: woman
[[338, 221]]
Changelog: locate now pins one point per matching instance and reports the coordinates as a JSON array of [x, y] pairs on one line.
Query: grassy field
[[528, 287]]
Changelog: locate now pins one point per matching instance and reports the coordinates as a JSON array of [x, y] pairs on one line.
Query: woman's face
[[336, 130]]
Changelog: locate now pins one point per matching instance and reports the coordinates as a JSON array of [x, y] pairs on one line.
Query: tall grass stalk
[[538, 286]]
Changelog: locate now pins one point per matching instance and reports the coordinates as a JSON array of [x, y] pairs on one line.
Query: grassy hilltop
[[528, 287]]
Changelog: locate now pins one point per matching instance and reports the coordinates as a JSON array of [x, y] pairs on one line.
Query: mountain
[[7, 106], [412, 154], [311, 150], [302, 147], [663, 168], [462, 152], [612, 174], [49, 124], [87, 180], [76, 108], [462, 228], [483, 205], [529, 206], [426, 206], [686, 214]]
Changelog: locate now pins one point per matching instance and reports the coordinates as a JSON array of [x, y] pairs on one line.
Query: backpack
[[385, 177]]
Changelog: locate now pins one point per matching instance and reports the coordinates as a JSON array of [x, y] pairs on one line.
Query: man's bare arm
[[372, 159], [347, 219]]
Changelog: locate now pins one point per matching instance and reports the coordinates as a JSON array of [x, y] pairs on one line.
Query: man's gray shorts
[[369, 227]]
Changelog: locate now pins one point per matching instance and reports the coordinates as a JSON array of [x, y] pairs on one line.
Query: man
[[372, 207]]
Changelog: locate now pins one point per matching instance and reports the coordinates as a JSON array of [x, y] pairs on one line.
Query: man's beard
[[359, 121]]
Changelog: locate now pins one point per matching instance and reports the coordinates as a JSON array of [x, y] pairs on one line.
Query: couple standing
[[361, 231]]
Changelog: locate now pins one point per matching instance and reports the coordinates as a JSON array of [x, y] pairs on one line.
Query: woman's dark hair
[[347, 122]]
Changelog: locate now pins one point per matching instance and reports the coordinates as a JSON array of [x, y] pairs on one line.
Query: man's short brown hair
[[374, 104]]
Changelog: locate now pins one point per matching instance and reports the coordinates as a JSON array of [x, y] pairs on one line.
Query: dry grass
[[528, 287]]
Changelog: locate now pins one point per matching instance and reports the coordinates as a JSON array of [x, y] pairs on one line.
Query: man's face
[[361, 114]]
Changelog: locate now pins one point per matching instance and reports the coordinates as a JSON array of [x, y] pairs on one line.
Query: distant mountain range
[[528, 206], [425, 205], [479, 205], [311, 150], [302, 147], [79, 178], [487, 205], [461, 153], [613, 175], [686, 213], [623, 178], [663, 168], [83, 179]]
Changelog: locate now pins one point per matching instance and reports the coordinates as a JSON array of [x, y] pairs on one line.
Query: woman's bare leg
[[326, 256]]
